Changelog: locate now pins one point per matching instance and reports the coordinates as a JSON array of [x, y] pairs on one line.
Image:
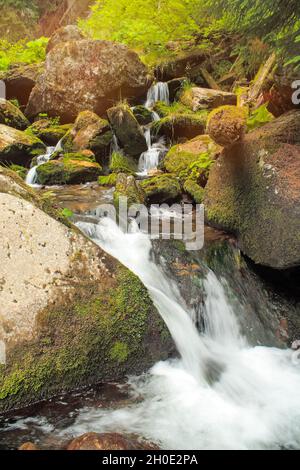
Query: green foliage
[[66, 213], [122, 164], [259, 117], [22, 52]]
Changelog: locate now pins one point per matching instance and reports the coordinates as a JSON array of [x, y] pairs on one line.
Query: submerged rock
[[204, 98], [127, 130], [227, 124], [87, 75], [78, 316], [160, 189], [110, 441], [92, 133], [12, 116], [72, 168], [254, 192], [18, 147]]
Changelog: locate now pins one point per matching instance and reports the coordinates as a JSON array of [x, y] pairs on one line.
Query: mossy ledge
[[104, 333]]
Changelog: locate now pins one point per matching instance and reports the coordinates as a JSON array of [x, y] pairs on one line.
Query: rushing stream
[[220, 393]]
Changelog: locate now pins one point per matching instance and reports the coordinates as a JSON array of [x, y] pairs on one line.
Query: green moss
[[178, 125], [49, 134], [20, 170], [127, 187], [195, 190], [109, 180], [121, 163], [142, 115], [232, 112], [162, 188], [119, 352]]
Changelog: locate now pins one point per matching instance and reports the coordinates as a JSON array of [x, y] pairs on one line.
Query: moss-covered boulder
[[126, 187], [254, 191], [127, 130], [12, 116], [227, 124], [17, 147], [160, 189], [72, 168], [108, 180], [48, 131], [121, 163], [181, 126], [78, 316], [197, 98], [92, 133], [142, 115]]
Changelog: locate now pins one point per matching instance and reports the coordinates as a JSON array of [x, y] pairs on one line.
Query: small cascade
[[158, 92], [31, 178], [149, 160]]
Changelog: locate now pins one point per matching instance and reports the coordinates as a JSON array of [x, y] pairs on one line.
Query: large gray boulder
[[254, 191]]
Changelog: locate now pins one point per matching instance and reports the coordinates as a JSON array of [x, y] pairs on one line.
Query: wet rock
[[18, 147], [142, 115], [87, 75], [28, 446], [90, 132], [126, 187], [197, 98], [65, 34], [12, 116], [20, 81], [77, 317], [160, 189], [254, 192], [110, 441], [127, 130], [121, 163], [175, 86], [227, 125], [72, 168], [49, 132]]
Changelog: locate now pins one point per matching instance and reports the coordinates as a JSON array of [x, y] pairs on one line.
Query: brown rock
[[204, 98], [20, 81], [227, 125], [87, 75], [65, 34], [28, 446], [110, 441], [179, 66]]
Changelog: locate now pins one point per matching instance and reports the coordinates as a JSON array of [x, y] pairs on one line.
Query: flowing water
[[32, 177]]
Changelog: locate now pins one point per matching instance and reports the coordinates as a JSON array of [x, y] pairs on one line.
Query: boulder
[[77, 315], [227, 124], [175, 86], [182, 65], [64, 34], [197, 98], [89, 132], [253, 191], [121, 163], [142, 115], [49, 132], [72, 168], [110, 441], [126, 187], [87, 75], [18, 147], [179, 126], [12, 116], [160, 189], [127, 130], [20, 81]]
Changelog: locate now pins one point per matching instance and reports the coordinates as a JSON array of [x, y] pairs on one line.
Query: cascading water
[[221, 393], [31, 178], [149, 160]]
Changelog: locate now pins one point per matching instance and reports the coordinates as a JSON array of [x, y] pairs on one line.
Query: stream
[[226, 389]]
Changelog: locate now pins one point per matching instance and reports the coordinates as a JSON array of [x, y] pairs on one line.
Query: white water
[[158, 92], [32, 178], [222, 393]]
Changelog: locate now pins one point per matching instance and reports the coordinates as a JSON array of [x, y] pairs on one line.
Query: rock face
[[72, 168], [19, 81], [17, 147], [110, 441], [205, 98], [127, 130], [89, 132], [78, 316], [87, 75], [11, 116], [227, 124], [65, 34], [254, 192]]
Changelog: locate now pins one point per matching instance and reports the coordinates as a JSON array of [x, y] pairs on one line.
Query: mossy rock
[[12, 116], [142, 115], [20, 170], [48, 132], [181, 126], [17, 147], [161, 189], [194, 189], [126, 187], [72, 168], [108, 180], [121, 163], [227, 124]]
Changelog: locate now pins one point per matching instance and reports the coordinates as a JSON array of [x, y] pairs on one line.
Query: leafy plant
[[259, 117], [22, 52]]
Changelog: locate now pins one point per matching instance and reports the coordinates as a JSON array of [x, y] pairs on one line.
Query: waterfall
[[31, 177], [158, 92], [149, 160], [221, 393]]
